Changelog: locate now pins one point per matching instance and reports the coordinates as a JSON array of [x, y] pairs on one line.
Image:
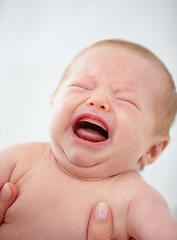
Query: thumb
[[8, 195], [100, 224]]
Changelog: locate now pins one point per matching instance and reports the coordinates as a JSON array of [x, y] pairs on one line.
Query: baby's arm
[[149, 217], [18, 159], [14, 161], [8, 161]]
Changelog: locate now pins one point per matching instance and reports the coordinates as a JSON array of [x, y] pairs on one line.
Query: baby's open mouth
[[89, 131]]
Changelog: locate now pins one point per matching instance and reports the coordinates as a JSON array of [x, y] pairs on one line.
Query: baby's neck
[[80, 178]]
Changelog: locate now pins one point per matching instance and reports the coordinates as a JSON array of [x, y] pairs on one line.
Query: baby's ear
[[156, 148]]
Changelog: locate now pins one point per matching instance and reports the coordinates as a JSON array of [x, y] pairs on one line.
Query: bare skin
[[98, 229], [48, 179]]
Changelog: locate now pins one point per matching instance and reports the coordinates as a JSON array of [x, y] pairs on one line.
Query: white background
[[38, 39]]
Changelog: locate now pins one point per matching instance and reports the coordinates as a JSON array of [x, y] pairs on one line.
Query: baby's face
[[102, 117]]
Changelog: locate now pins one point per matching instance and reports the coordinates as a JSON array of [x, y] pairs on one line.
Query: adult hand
[[100, 224], [8, 195]]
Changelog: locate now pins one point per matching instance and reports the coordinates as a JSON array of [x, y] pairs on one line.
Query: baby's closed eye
[[127, 101], [80, 85]]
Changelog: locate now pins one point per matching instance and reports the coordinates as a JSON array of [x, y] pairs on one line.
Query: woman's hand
[[100, 224], [8, 195]]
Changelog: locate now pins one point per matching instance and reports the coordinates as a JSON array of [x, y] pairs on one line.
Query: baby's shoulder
[[22, 157], [146, 196], [137, 189], [24, 153]]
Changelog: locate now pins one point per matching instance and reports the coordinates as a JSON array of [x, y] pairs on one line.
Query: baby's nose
[[99, 102]]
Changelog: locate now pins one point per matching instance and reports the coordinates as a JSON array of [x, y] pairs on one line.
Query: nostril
[[89, 103], [95, 102]]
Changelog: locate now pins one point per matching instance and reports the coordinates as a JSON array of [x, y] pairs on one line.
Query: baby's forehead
[[112, 56], [113, 60]]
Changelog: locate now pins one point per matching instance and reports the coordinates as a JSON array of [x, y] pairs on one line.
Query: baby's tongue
[[91, 135]]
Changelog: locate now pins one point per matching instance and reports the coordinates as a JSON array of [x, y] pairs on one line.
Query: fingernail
[[6, 193], [101, 212]]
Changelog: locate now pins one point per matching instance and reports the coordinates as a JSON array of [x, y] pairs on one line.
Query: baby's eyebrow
[[121, 88], [85, 77], [125, 89]]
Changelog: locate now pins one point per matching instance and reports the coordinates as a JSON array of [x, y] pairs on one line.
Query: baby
[[112, 112]]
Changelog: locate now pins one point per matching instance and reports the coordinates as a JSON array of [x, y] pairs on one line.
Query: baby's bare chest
[[53, 205]]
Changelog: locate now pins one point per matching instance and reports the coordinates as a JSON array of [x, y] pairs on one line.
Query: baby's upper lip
[[94, 120]]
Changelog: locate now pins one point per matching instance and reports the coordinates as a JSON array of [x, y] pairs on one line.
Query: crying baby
[[108, 120]]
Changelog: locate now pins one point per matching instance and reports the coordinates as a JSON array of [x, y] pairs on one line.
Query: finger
[[100, 224], [8, 195]]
